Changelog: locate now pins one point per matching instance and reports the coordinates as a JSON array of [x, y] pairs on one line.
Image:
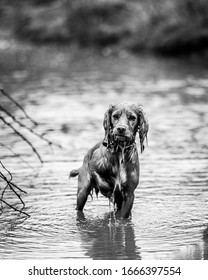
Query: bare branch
[[14, 208], [17, 155], [18, 126], [29, 128], [19, 106], [12, 186], [23, 137]]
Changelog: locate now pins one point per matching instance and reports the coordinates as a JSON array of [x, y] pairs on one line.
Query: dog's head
[[121, 123]]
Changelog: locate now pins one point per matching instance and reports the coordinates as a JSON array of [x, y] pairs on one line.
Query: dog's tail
[[73, 173]]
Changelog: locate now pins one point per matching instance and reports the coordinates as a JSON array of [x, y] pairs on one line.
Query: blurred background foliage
[[166, 26]]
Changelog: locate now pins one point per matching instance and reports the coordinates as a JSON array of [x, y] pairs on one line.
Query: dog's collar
[[113, 147]]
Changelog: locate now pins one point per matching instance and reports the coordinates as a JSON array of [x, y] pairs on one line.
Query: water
[[67, 92]]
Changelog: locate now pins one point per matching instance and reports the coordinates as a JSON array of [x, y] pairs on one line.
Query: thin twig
[[6, 170], [19, 106], [3, 192], [23, 138], [17, 155], [29, 128], [7, 181], [12, 186], [15, 209]]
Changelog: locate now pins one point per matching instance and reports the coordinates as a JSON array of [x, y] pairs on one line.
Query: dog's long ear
[[107, 125], [142, 126]]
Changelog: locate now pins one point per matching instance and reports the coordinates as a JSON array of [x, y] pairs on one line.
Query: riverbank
[[166, 27]]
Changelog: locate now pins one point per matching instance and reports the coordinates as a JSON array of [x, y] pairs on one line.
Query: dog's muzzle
[[121, 136]]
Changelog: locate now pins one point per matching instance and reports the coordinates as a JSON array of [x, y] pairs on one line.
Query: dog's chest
[[120, 176], [110, 177]]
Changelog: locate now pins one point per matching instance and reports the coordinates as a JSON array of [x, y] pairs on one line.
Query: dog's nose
[[121, 129]]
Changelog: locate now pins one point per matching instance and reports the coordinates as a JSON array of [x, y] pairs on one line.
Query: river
[[68, 91]]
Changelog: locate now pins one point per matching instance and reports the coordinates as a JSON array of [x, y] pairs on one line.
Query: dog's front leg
[[127, 204]]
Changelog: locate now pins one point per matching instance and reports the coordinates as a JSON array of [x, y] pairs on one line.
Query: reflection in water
[[205, 238], [115, 237], [196, 251]]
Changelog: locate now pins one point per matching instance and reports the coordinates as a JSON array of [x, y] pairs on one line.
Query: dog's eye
[[132, 118], [116, 116]]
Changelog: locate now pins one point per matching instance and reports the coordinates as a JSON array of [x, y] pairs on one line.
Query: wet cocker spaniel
[[112, 166]]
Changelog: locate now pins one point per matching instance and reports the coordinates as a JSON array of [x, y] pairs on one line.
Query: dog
[[111, 167]]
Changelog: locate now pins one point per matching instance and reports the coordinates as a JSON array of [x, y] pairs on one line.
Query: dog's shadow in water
[[108, 238]]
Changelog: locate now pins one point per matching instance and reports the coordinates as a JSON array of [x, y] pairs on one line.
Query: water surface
[[67, 92]]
